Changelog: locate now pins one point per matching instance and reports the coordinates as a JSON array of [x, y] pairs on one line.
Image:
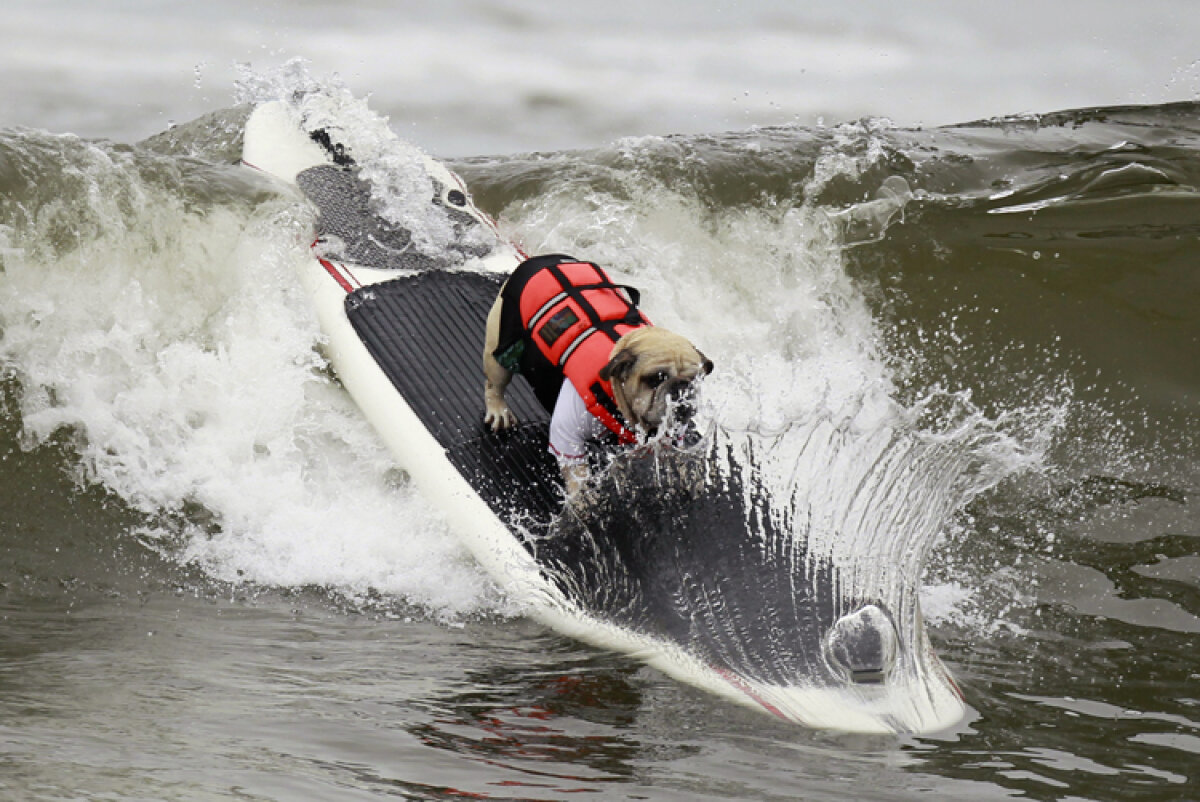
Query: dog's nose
[[682, 394]]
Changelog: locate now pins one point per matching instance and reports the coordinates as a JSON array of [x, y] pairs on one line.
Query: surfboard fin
[[862, 645]]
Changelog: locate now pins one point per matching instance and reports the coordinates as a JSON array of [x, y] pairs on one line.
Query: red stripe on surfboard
[[350, 275], [333, 271], [946, 673], [740, 684], [487, 218]]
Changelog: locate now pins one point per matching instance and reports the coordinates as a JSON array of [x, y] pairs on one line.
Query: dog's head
[[653, 373]]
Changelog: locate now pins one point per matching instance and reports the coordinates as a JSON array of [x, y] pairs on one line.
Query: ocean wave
[[148, 307]]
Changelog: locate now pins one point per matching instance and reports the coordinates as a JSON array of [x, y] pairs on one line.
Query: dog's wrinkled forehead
[[650, 351]]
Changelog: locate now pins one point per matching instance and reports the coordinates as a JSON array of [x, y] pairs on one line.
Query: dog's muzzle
[[681, 400]]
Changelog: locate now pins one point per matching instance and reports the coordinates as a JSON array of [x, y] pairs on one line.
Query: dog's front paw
[[499, 417]]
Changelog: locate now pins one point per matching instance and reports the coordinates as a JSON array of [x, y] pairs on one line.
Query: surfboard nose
[[862, 645]]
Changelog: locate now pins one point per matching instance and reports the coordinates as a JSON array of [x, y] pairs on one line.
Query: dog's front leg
[[497, 414]]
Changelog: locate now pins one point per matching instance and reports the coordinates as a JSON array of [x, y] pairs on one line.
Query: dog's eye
[[655, 380]]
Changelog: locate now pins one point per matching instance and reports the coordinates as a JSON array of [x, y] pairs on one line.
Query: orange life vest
[[572, 314]]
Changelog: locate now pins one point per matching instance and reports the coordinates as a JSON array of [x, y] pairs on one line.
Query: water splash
[[395, 170], [164, 328]]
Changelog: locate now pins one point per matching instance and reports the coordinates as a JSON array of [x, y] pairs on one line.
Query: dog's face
[[653, 372]]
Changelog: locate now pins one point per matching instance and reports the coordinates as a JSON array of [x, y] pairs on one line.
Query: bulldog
[[595, 362]]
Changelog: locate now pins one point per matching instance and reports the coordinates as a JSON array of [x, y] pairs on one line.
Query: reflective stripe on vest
[[574, 315]]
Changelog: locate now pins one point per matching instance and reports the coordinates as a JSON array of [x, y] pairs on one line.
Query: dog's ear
[[706, 364], [619, 367]]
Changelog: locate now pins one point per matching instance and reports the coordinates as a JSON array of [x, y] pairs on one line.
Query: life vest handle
[[635, 295]]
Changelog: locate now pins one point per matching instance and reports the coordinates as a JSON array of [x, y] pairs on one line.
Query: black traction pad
[[670, 545], [426, 333]]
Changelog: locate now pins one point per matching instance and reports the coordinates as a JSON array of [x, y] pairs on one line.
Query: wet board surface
[[426, 332]]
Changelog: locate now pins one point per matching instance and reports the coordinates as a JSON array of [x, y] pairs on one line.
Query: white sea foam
[[395, 170], [177, 345]]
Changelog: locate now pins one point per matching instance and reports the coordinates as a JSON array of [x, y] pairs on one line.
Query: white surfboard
[[676, 577]]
